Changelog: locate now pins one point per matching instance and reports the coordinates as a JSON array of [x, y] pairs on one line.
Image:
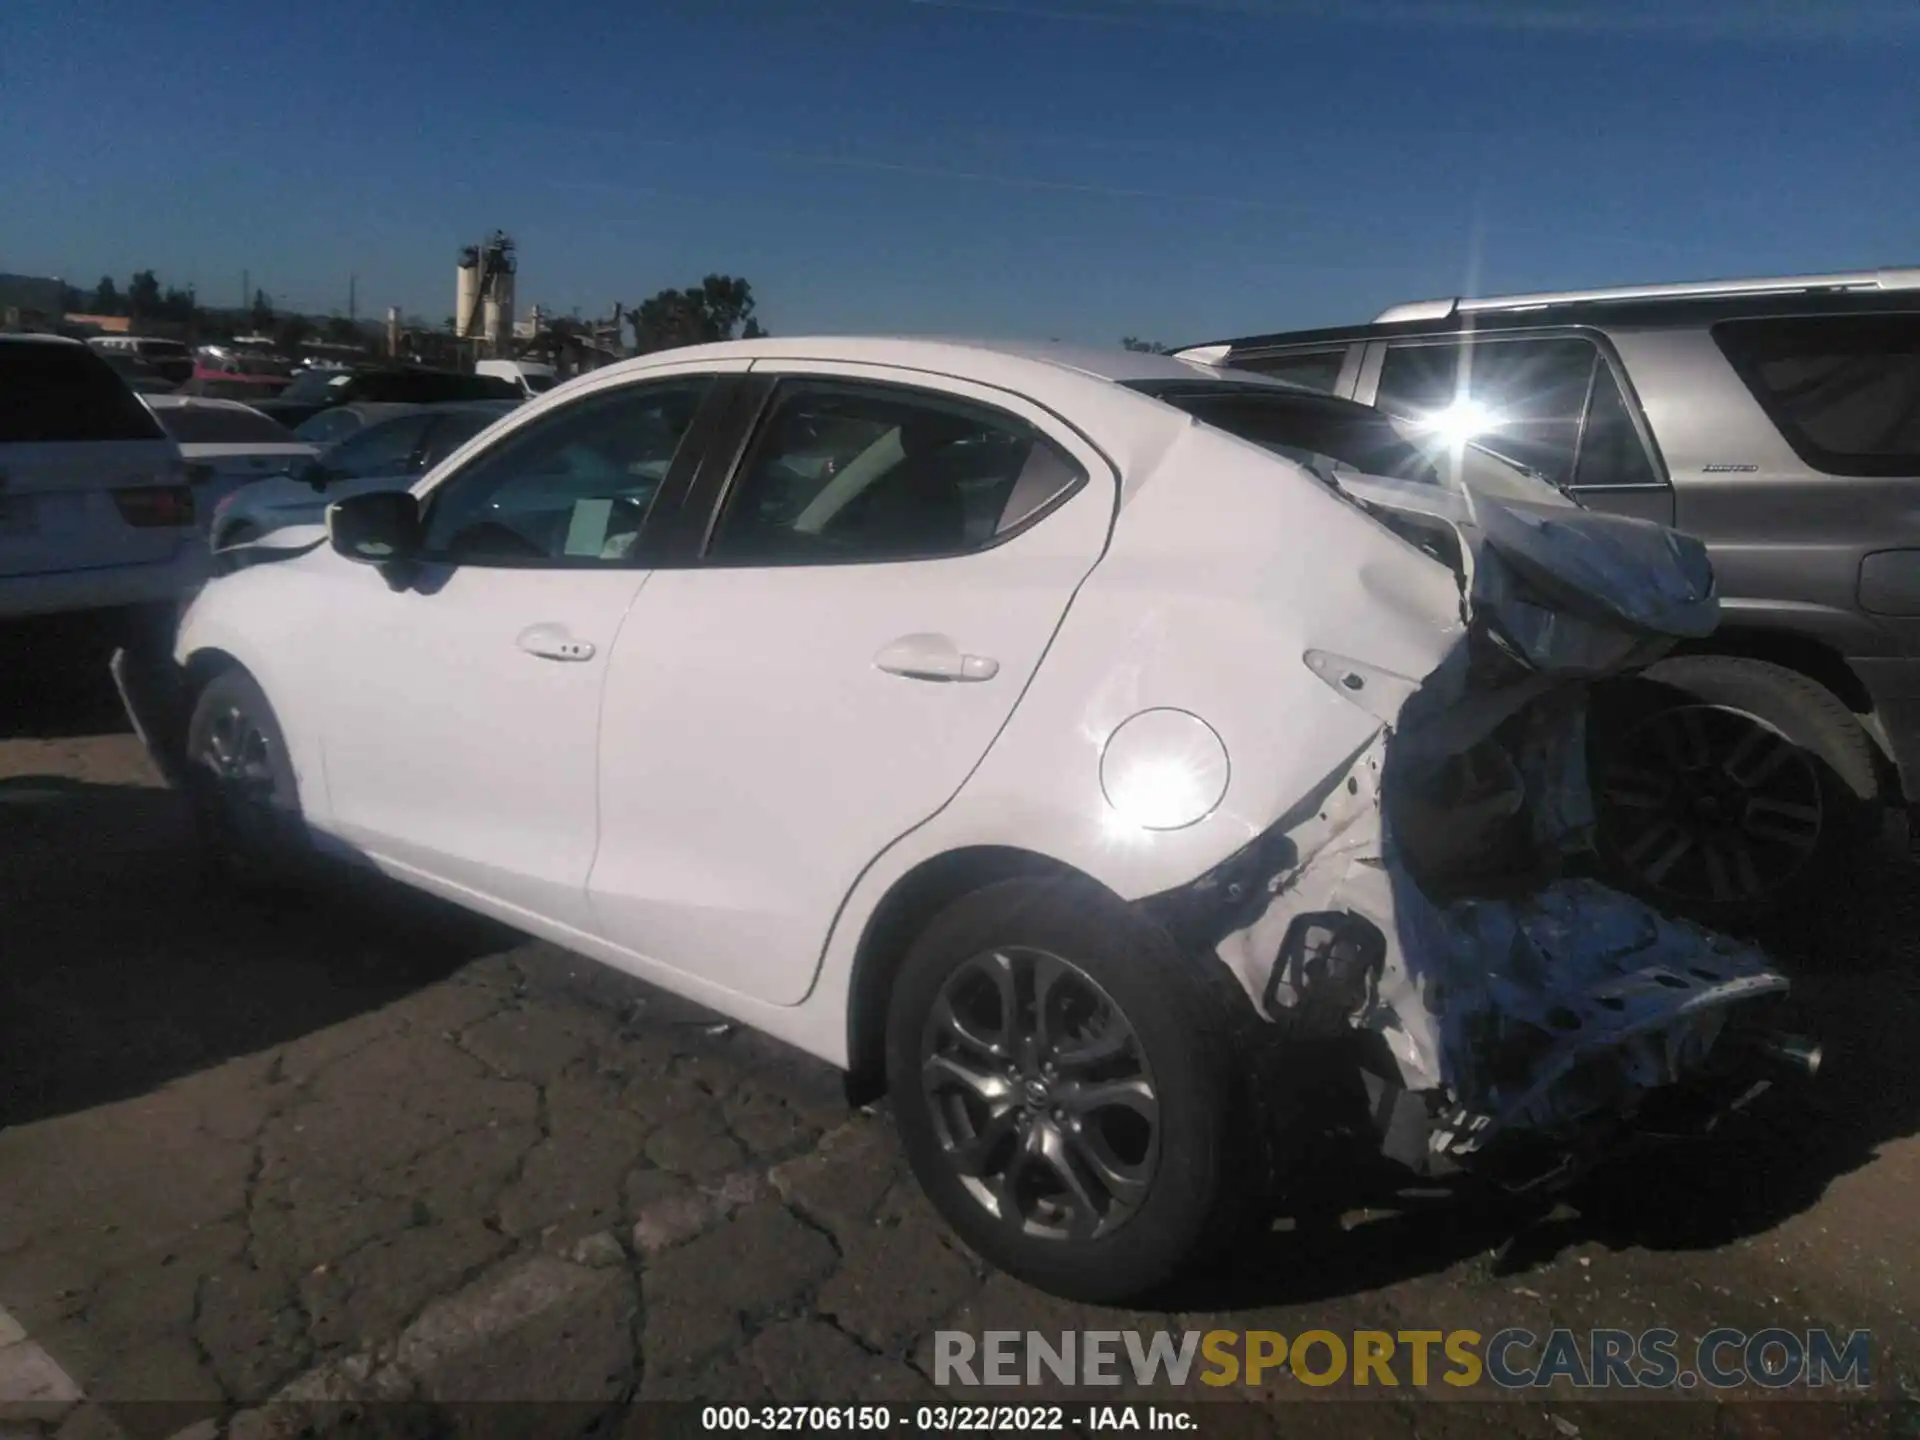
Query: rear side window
[[1314, 369], [853, 473], [191, 425], [53, 394], [1844, 390], [1549, 404], [1520, 399]]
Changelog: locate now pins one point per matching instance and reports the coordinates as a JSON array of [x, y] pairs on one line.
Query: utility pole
[[353, 284], [246, 290]]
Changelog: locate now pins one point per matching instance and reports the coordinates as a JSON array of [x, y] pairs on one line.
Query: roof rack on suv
[[1889, 278]]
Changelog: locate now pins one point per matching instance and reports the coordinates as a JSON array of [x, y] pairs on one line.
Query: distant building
[[45, 296], [28, 302], [105, 324], [124, 325]]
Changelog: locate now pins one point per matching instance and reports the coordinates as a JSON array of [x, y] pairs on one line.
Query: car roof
[[381, 368], [956, 356], [198, 402], [41, 340], [1641, 306], [380, 411], [1107, 394]]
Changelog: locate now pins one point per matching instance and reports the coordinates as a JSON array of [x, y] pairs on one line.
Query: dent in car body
[[1386, 902]]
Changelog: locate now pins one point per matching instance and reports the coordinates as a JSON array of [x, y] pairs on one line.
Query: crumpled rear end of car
[[1435, 892]]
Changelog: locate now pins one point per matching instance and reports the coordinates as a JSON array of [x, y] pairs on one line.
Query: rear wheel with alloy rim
[[1063, 1085], [1726, 786]]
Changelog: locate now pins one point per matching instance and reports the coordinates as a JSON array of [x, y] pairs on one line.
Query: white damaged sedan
[[1072, 743]]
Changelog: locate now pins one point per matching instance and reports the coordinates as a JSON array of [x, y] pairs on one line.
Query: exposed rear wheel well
[[896, 923], [1820, 663], [1812, 659], [201, 669]]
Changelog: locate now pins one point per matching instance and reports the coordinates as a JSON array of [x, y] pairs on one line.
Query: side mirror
[[381, 527]]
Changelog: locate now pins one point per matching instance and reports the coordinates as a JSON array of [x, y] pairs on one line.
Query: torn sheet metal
[[1533, 1013], [1427, 898]]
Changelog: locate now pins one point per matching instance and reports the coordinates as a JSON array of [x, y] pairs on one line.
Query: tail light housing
[[155, 507]]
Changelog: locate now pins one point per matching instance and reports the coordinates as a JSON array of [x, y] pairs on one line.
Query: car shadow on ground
[[123, 966], [1855, 961], [54, 682]]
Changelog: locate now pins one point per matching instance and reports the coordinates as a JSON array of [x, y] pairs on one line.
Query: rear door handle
[[552, 642], [934, 657]]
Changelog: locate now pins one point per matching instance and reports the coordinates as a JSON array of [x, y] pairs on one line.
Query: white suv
[[95, 508]]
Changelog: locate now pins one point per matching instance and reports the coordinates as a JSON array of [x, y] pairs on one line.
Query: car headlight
[[1164, 769]]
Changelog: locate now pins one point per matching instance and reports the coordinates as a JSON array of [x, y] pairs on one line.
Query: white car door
[[893, 558], [464, 714]]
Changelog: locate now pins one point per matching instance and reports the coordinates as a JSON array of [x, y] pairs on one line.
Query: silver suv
[[1777, 419]]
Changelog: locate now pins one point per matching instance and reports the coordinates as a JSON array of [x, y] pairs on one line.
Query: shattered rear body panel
[[1431, 895]]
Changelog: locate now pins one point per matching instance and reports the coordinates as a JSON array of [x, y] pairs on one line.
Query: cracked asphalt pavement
[[366, 1147]]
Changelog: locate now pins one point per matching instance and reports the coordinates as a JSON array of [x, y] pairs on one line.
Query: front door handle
[[552, 642], [934, 657]]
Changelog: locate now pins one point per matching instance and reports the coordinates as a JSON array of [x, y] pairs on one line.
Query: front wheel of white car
[[1062, 1081], [241, 784]]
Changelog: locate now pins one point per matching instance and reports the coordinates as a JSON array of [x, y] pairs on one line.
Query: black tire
[[1187, 1201], [1751, 849], [243, 792], [240, 533]]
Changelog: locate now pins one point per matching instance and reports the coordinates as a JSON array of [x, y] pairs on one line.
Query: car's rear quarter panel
[[1226, 566]]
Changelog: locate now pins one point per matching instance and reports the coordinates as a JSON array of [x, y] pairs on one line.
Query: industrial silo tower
[[483, 294]]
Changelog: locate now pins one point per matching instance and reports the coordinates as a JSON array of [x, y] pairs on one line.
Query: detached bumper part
[[153, 693]]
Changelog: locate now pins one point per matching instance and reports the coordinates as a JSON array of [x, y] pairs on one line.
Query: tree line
[[720, 307], [144, 298]]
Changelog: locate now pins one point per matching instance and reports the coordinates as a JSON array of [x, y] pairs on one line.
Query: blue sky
[[1180, 169]]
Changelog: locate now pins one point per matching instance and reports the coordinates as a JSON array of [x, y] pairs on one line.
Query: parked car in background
[[227, 444], [1777, 419], [1033, 760], [318, 390], [388, 453], [170, 358], [325, 355], [232, 375], [95, 508], [531, 376], [332, 425], [141, 378]]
